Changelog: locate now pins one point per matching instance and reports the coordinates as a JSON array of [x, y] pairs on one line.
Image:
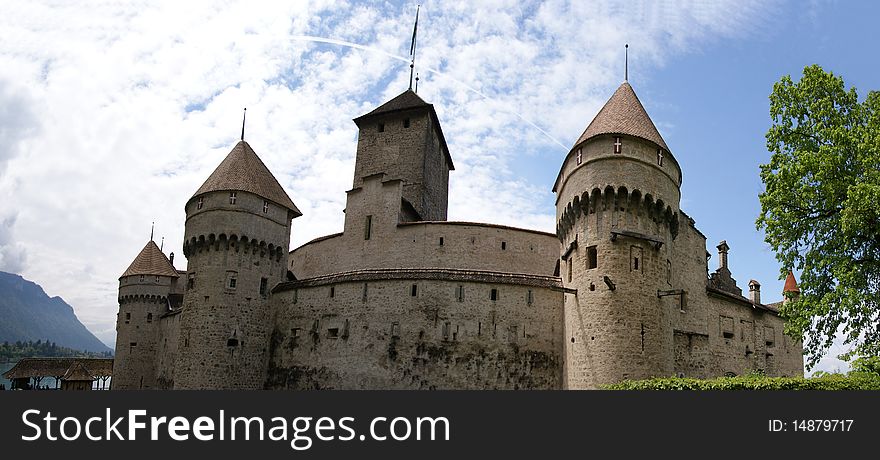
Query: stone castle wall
[[418, 329]]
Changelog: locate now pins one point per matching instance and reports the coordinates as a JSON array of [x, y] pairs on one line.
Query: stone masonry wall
[[416, 334]]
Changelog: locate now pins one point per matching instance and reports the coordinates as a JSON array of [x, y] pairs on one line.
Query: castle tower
[[145, 290], [790, 291], [236, 242], [617, 209], [402, 139]]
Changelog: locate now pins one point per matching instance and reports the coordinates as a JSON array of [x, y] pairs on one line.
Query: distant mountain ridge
[[28, 313]]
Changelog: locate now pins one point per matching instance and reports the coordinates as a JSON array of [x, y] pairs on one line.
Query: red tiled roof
[[790, 284], [151, 261], [624, 114], [243, 170]]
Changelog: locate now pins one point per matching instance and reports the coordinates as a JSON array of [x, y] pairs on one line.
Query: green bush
[[835, 382]]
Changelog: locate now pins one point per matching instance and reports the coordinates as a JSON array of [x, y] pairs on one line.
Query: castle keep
[[404, 299]]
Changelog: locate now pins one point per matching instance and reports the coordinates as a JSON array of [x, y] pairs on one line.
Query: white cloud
[[138, 101]]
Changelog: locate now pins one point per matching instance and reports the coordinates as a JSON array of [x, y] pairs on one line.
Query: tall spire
[[412, 49], [626, 62], [243, 117], [152, 228]]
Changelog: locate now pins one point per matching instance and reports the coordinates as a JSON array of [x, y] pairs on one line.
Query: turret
[[402, 139], [146, 290], [790, 291], [236, 243], [617, 211]]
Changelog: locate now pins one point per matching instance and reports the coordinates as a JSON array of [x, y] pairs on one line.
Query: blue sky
[[113, 114]]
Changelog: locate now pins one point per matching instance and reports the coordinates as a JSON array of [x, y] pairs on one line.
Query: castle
[[404, 299]]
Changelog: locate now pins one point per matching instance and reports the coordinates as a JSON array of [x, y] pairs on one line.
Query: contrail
[[333, 41]]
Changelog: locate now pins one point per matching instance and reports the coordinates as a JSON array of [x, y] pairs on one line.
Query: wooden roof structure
[[75, 368]]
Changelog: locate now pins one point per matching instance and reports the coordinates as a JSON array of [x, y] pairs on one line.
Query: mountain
[[27, 313]]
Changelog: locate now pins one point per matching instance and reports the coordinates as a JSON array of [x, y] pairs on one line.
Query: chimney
[[722, 254], [171, 259], [755, 292]]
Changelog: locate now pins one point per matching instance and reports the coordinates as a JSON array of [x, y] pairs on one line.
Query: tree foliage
[[43, 349], [821, 208]]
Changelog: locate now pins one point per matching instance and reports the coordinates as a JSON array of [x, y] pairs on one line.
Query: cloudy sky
[[113, 113]]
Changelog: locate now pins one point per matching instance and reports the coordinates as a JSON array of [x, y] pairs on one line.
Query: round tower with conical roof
[[617, 213], [145, 290], [236, 242]]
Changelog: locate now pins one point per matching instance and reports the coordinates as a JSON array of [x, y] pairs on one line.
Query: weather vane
[[626, 62]]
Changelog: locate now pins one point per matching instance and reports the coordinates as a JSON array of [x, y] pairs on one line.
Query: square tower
[[402, 139]]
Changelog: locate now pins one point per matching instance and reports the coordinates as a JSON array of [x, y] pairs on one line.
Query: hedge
[[834, 382]]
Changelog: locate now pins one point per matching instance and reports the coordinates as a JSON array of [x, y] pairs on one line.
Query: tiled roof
[[791, 284], [624, 114], [242, 170], [405, 100], [77, 372], [55, 367], [151, 261]]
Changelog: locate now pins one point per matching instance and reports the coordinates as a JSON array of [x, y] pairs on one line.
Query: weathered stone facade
[[403, 299]]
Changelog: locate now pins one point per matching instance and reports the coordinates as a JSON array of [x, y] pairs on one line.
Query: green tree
[[821, 208]]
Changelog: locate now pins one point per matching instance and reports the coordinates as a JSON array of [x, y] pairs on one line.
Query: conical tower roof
[[791, 284], [151, 261], [242, 170], [624, 114]]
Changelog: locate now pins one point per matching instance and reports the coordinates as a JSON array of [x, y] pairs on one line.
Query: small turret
[[144, 292], [790, 291]]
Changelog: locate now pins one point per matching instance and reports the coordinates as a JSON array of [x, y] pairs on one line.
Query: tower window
[[332, 291], [142, 278], [232, 342], [231, 280], [157, 279], [364, 293], [441, 241], [530, 297], [264, 286], [395, 329], [149, 317], [668, 272], [381, 127], [569, 264], [635, 255], [504, 245], [592, 257], [414, 290], [406, 122], [617, 145], [190, 280], [232, 197], [580, 156], [459, 293], [659, 157], [265, 207], [200, 203], [333, 333], [493, 294], [127, 318], [368, 227], [132, 346]]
